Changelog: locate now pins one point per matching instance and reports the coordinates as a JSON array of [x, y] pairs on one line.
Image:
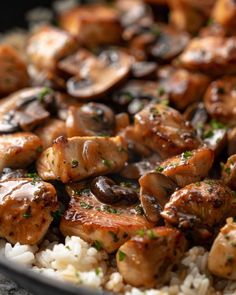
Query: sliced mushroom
[[188, 167], [155, 192], [79, 158], [97, 78], [215, 139], [25, 109], [92, 119], [9, 173], [19, 150], [213, 55], [229, 172], [145, 260], [108, 192], [164, 130], [94, 24], [48, 45], [106, 226], [13, 71], [220, 100]]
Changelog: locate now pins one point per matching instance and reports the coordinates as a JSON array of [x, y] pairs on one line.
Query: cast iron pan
[[11, 16]]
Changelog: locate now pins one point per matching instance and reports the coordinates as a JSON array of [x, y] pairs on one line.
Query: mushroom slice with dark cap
[[97, 78], [146, 258], [164, 130], [144, 70], [188, 167], [92, 119], [25, 109], [19, 150], [79, 158], [26, 209], [105, 226], [229, 172], [155, 191], [199, 208]]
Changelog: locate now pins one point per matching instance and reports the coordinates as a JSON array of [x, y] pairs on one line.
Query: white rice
[[77, 262]]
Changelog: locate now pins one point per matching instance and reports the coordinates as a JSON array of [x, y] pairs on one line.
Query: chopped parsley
[[97, 245], [139, 210], [97, 271], [82, 191], [107, 163], [216, 125], [27, 214], [141, 232], [114, 236], [121, 255], [165, 102], [109, 209], [186, 155], [227, 170], [45, 91], [74, 163], [35, 177], [151, 234], [208, 133], [161, 91], [85, 205], [159, 169]]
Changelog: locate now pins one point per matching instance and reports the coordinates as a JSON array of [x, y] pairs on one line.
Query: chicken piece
[[188, 167], [48, 45], [164, 130], [94, 25], [222, 256], [155, 192], [224, 13], [78, 158], [122, 121], [25, 109], [220, 100], [229, 172], [52, 129], [145, 260], [92, 119], [106, 226], [189, 15], [214, 55], [200, 207], [13, 71], [183, 87], [26, 209], [19, 150]]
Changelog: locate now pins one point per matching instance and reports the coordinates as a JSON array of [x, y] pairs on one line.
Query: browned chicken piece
[[52, 129], [48, 45], [231, 141], [25, 109], [100, 74], [19, 150], [182, 87], [224, 13], [220, 100], [92, 119], [189, 15], [145, 260], [13, 71], [94, 25], [155, 192], [26, 209], [200, 207], [164, 130], [229, 172], [122, 121], [188, 167], [222, 256], [78, 158], [212, 55], [106, 226]]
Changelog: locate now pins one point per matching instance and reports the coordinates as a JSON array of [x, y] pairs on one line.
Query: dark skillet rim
[[37, 283]]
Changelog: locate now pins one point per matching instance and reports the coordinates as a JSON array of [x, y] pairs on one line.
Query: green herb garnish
[[74, 163], [121, 255], [186, 155], [97, 245], [85, 205]]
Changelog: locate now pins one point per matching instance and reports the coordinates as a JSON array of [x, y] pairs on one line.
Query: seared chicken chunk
[[52, 129], [183, 87], [155, 192], [94, 25], [222, 257], [19, 150], [229, 172], [189, 167], [200, 207], [224, 13], [13, 71], [78, 158], [144, 260], [92, 119], [26, 209], [212, 55], [25, 109], [105, 226], [48, 45], [164, 130], [220, 100]]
